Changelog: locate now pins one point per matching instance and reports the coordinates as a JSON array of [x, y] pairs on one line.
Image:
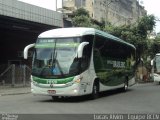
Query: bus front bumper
[[73, 90]]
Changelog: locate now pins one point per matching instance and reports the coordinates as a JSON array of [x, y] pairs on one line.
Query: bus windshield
[[55, 57]]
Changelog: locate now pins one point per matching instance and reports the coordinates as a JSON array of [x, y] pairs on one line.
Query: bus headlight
[[78, 80]]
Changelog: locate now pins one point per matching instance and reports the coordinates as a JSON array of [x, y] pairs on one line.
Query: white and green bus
[[80, 61]]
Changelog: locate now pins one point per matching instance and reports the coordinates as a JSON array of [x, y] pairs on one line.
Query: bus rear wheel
[[95, 91], [125, 88]]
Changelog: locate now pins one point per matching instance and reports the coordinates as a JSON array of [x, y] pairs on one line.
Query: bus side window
[[98, 55], [85, 58], [98, 60], [87, 51]]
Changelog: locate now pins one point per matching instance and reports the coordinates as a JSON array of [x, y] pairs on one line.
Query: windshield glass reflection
[[56, 58]]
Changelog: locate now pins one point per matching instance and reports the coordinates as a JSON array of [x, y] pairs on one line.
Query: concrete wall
[[118, 12], [24, 11]]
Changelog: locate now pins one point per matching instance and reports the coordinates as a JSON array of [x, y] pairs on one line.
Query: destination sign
[[116, 64], [46, 40]]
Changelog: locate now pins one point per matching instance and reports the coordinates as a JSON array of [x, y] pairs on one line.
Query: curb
[[143, 82], [6, 94], [14, 91]]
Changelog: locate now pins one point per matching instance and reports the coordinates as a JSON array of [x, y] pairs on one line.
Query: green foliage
[[81, 18], [154, 47], [81, 21], [81, 12], [134, 33], [146, 24]]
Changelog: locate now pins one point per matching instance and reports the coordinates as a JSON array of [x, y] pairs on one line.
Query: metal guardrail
[[16, 75]]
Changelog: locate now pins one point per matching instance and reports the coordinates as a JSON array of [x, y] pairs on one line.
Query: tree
[[81, 21], [135, 34], [81, 18], [146, 24], [81, 12], [154, 47]]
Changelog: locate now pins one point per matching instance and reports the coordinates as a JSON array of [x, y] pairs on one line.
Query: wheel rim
[[125, 86], [95, 89]]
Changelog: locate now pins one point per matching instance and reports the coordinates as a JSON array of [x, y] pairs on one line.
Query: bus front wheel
[[55, 98], [95, 91]]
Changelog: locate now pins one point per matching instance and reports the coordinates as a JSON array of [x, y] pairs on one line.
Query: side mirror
[[25, 52], [80, 49]]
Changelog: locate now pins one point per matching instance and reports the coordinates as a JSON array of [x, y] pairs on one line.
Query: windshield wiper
[[60, 69], [54, 60], [54, 55]]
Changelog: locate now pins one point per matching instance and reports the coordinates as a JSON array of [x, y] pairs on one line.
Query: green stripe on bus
[[114, 78], [54, 81]]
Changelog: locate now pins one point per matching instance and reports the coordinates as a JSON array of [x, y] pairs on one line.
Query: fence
[[15, 75]]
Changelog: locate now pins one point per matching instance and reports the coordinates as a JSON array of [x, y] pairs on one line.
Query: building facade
[[117, 12]]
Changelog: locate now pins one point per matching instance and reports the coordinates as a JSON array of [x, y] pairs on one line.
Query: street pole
[[138, 10], [81, 3], [13, 75], [63, 13], [24, 75], [56, 5]]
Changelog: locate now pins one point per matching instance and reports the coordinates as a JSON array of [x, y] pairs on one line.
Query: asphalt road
[[141, 98]]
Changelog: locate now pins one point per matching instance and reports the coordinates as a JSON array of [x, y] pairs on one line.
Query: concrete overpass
[[20, 24]]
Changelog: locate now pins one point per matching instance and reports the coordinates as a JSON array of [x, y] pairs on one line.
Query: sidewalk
[[8, 90]]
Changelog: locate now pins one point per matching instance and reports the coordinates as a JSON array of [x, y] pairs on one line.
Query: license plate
[[51, 92]]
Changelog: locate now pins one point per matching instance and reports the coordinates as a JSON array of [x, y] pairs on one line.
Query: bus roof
[[79, 31]]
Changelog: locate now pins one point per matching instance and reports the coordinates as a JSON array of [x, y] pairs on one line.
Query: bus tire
[[125, 87], [95, 91], [55, 98]]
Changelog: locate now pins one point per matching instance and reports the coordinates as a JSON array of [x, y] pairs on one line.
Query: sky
[[152, 7]]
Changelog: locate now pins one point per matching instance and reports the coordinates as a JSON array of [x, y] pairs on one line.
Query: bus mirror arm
[[25, 52], [80, 49], [152, 62]]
